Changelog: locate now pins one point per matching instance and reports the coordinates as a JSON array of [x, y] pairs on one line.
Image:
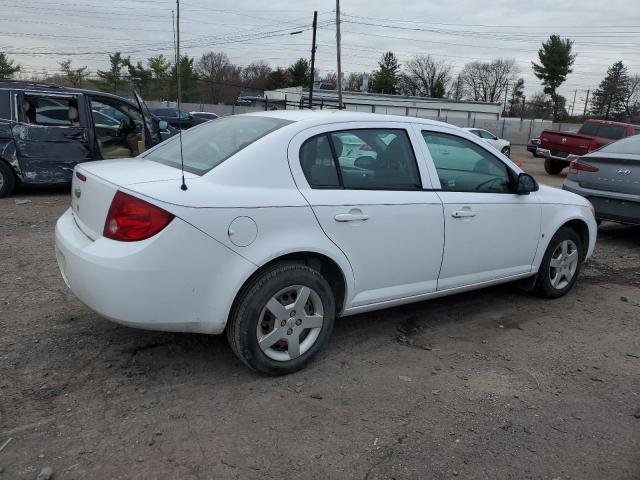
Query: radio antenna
[[176, 38]]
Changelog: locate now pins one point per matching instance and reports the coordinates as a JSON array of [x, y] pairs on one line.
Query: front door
[[491, 233], [364, 185], [51, 136]]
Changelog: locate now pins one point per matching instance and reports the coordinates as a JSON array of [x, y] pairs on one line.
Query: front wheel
[[282, 319], [7, 180], [560, 265]]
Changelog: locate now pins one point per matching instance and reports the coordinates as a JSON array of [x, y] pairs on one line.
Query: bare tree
[[632, 99], [256, 75], [354, 82], [457, 89], [221, 78], [425, 77], [488, 81], [329, 82]]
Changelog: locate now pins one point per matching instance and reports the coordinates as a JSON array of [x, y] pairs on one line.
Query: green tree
[[517, 94], [7, 67], [556, 59], [609, 99], [112, 79], [140, 77], [73, 76], [189, 80], [385, 79], [279, 78], [299, 73], [161, 75]]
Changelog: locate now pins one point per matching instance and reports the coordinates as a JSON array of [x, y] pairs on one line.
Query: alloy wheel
[[290, 323], [563, 264]]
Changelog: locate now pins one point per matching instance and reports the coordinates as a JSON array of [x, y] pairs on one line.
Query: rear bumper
[[180, 280], [619, 207], [546, 153]]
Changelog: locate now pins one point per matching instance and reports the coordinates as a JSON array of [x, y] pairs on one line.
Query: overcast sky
[[40, 33]]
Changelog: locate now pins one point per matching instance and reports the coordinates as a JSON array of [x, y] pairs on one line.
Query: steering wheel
[[486, 182]]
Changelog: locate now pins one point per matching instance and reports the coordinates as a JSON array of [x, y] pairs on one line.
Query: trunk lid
[[94, 185], [616, 173]]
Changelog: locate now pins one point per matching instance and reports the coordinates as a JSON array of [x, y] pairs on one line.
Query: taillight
[[593, 146], [577, 166], [81, 177], [131, 219]]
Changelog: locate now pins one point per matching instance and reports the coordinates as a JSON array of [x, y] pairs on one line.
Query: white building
[[453, 111]]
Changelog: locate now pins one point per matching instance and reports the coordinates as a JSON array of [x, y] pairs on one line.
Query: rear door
[[372, 200], [51, 135]]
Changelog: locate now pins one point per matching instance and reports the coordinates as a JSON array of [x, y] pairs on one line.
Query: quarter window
[[464, 166], [367, 159], [51, 111]]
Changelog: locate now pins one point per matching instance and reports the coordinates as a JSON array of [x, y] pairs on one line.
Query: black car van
[[45, 130]]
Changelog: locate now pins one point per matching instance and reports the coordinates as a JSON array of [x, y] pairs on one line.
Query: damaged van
[[45, 130]]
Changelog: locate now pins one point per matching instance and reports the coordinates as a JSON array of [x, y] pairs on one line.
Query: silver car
[[610, 179]]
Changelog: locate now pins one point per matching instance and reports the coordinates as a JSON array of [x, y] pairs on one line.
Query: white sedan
[[500, 144], [281, 229]]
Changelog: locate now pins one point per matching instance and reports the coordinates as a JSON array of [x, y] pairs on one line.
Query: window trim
[[510, 172], [341, 186]]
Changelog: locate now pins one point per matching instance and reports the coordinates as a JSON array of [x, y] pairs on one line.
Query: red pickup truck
[[558, 148]]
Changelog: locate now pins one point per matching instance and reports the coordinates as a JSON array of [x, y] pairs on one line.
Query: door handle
[[351, 217], [463, 214]]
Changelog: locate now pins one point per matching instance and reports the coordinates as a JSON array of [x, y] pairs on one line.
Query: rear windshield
[[627, 145], [614, 132], [211, 143]]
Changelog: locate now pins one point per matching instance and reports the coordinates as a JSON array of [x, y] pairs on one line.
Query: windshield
[[208, 145], [628, 145]]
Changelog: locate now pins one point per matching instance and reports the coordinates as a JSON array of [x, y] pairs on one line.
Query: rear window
[[206, 146], [628, 145], [614, 132]]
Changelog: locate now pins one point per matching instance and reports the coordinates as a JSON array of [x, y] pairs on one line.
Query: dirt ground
[[494, 384]]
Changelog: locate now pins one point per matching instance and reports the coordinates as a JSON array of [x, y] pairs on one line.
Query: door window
[[118, 127], [464, 166], [486, 135], [50, 111], [369, 159], [5, 105]]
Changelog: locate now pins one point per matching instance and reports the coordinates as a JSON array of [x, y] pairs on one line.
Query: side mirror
[[526, 184], [163, 125]]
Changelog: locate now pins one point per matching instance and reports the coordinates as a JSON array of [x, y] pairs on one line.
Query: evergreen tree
[[516, 97], [385, 79], [7, 67], [73, 76], [556, 59], [609, 99], [189, 80], [112, 79], [300, 72]]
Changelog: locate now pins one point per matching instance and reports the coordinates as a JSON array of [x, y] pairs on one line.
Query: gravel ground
[[494, 384]]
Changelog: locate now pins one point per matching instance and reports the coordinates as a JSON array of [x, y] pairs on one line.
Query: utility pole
[[506, 94], [313, 58], [575, 92], [338, 50], [586, 104]]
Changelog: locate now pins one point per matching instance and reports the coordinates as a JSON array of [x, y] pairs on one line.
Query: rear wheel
[[282, 319], [553, 167], [7, 180], [506, 151], [560, 265]]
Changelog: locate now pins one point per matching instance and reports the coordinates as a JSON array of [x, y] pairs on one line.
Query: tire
[[506, 151], [553, 280], [553, 167], [252, 319], [7, 180]]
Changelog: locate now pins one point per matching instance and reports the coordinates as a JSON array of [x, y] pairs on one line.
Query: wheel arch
[[327, 266], [582, 229]]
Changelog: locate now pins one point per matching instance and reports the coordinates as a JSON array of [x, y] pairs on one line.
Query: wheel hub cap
[[290, 323], [563, 264]]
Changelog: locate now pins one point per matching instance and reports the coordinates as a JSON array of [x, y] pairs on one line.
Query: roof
[[52, 88], [320, 117]]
